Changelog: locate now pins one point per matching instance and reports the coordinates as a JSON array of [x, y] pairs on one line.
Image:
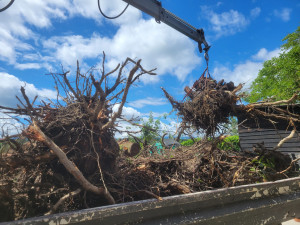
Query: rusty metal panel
[[265, 203]]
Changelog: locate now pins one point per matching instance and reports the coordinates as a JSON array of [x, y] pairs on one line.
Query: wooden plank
[[289, 150], [270, 143], [273, 138], [282, 149], [243, 129], [251, 136], [273, 141], [264, 132], [269, 137], [269, 134]]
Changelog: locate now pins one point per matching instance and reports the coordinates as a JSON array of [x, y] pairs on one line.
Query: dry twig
[[62, 199]]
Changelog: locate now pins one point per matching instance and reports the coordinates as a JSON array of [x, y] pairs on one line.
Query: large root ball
[[208, 104]]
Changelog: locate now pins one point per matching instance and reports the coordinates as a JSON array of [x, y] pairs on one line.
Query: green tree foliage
[[150, 130], [12, 144], [280, 77], [189, 142], [230, 143], [1, 148]]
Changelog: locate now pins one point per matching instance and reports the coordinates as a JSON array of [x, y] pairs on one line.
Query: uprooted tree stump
[[71, 147]]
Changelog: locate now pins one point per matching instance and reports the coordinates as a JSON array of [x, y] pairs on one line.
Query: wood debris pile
[[68, 159], [45, 187], [200, 167]]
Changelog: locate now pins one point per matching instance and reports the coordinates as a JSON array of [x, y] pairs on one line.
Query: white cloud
[[114, 7], [230, 22], [14, 23], [255, 12], [68, 49], [155, 114], [168, 127], [263, 54], [9, 126], [127, 112], [148, 101], [284, 14], [226, 23], [85, 8], [10, 45], [247, 71], [89, 9], [10, 88], [157, 45], [25, 66], [241, 73]]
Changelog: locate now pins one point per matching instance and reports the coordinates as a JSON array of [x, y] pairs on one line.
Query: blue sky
[[37, 37]]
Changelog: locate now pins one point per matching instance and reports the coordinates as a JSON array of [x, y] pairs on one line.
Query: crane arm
[[154, 8]]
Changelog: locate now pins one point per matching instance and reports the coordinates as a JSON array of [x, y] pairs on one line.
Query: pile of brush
[[207, 104]]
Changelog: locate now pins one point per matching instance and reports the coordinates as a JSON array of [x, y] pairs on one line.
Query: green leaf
[[280, 76]]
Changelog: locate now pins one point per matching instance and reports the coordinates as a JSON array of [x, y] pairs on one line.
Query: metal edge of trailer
[[263, 203]]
